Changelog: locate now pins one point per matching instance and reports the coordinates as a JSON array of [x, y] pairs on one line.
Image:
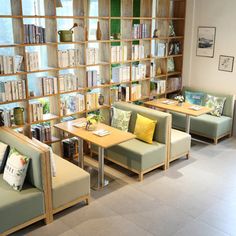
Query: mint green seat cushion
[[180, 143], [206, 125], [137, 154], [19, 207], [70, 183]]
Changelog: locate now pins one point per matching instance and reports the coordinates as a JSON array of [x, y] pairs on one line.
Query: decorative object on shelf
[[85, 33], [159, 71], [206, 41], [226, 63], [1, 117], [58, 3], [156, 33], [31, 93], [18, 115], [180, 100], [117, 36], [170, 65], [174, 48], [171, 30], [98, 32], [101, 99], [66, 35], [92, 121]]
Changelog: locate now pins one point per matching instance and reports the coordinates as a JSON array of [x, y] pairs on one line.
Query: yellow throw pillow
[[144, 128]]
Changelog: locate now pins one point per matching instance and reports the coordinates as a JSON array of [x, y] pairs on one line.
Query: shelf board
[[72, 91], [46, 117], [158, 76], [73, 114], [174, 73], [14, 101], [98, 64], [140, 80], [53, 140], [175, 55], [139, 99], [42, 96], [98, 108]]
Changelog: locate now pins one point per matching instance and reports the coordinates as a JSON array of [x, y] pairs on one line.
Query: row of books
[[173, 84], [92, 56], [68, 82], [34, 34], [70, 147], [158, 86], [12, 90], [92, 78], [32, 61], [136, 91], [139, 31], [137, 52], [36, 111], [120, 74], [10, 64], [139, 71], [48, 85], [160, 49], [6, 118], [71, 104], [42, 132], [70, 57], [119, 54]]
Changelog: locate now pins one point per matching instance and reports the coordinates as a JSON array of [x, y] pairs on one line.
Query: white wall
[[202, 72]]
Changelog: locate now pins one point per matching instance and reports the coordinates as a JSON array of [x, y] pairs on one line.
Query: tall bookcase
[[117, 19]]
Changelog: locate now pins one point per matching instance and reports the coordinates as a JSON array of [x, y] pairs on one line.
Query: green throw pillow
[[217, 103], [120, 119], [196, 98]]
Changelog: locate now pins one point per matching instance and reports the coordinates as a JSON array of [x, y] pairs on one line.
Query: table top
[[115, 137], [184, 109]]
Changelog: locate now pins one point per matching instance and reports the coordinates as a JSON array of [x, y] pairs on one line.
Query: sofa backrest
[[163, 119], [229, 102], [23, 145]]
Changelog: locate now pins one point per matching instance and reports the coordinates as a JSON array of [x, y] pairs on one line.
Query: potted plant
[[92, 121], [179, 99]]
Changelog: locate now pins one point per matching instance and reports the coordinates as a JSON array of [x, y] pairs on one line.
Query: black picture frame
[[226, 63], [206, 41]]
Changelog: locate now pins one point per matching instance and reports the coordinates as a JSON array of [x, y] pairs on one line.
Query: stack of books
[[68, 82], [136, 91], [120, 74], [160, 49], [158, 86], [36, 111], [92, 56], [48, 85], [71, 104], [34, 34], [139, 71], [137, 52], [70, 57], [153, 70], [10, 64], [173, 83], [42, 132], [12, 90], [92, 78], [119, 54], [32, 61], [70, 147], [140, 31]]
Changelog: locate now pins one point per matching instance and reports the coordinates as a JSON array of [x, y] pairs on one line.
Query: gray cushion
[[70, 183], [137, 155], [19, 207], [180, 143]]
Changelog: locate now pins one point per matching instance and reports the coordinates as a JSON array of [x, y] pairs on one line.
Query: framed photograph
[[206, 41], [226, 63]]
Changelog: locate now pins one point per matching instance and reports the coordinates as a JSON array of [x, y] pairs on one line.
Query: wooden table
[[184, 109], [115, 137]]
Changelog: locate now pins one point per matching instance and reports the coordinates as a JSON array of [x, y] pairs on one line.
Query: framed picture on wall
[[226, 63], [206, 41]]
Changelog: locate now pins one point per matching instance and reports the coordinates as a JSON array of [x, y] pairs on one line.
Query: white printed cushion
[[120, 119], [52, 161], [16, 169], [4, 151]]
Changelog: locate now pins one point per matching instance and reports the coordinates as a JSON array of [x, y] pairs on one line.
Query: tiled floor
[[195, 197]]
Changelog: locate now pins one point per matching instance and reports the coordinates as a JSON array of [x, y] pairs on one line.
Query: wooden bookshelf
[[115, 17]]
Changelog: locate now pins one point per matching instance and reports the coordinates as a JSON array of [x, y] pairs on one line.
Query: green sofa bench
[[207, 125], [136, 155], [19, 209]]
